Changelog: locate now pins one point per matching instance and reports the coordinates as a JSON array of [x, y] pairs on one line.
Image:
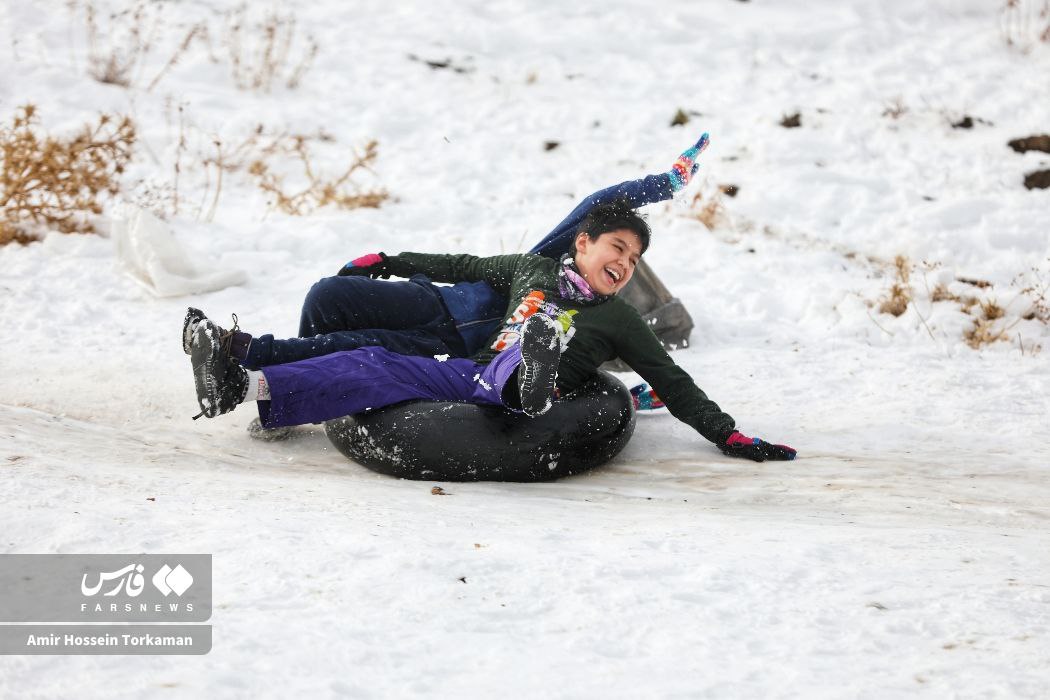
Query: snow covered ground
[[905, 553]]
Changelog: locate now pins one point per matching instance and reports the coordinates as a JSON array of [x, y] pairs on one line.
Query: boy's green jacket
[[603, 329]]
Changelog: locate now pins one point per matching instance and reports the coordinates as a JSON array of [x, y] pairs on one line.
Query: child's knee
[[322, 303], [333, 292]]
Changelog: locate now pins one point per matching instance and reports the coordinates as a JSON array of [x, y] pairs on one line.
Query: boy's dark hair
[[613, 216]]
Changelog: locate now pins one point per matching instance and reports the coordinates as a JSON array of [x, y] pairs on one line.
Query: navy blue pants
[[346, 313], [331, 386]]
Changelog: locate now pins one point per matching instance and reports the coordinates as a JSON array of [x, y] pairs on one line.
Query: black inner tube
[[446, 441]]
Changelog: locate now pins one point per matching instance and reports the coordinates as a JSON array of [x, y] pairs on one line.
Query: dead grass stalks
[[1025, 23], [900, 293], [995, 321], [984, 332], [48, 182], [283, 167], [895, 109], [319, 191], [261, 52], [709, 207], [119, 50], [992, 321]]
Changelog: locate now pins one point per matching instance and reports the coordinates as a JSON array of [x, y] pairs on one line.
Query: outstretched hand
[[740, 445], [686, 166], [372, 265]]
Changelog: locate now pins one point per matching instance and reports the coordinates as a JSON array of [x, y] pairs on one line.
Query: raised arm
[[638, 193]]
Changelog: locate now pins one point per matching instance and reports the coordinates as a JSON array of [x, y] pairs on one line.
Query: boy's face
[[608, 262]]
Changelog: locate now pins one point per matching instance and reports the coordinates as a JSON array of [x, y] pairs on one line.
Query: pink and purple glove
[[740, 445], [686, 166], [645, 399], [372, 265]]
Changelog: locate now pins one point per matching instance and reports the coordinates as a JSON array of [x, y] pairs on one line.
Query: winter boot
[[234, 341], [221, 382], [287, 432], [538, 372]]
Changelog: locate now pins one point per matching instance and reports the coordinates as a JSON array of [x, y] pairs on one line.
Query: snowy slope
[[905, 553]]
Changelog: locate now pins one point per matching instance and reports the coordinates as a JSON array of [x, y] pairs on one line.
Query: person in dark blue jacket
[[417, 317]]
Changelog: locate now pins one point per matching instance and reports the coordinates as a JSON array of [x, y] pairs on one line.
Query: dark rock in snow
[[1038, 180], [439, 64], [1031, 143]]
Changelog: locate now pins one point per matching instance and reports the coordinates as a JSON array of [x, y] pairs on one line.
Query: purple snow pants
[[330, 386]]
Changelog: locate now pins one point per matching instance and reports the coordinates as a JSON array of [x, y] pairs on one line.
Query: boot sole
[[189, 325], [540, 352], [206, 355]]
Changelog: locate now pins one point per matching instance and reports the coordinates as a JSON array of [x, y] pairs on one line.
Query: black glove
[[372, 265], [740, 445]]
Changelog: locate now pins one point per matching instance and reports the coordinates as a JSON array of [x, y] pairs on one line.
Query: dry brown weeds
[[56, 183], [709, 209], [991, 310], [895, 109], [119, 48], [942, 293], [261, 52], [900, 293], [269, 158], [319, 191], [984, 332], [994, 323], [129, 37]]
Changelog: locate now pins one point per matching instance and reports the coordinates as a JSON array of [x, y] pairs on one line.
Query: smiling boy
[[563, 321]]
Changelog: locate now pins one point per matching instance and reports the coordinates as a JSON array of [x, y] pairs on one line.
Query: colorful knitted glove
[[739, 445], [645, 399], [686, 166], [372, 265]]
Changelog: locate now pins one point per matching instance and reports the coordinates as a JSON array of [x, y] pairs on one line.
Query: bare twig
[[877, 324], [195, 31]]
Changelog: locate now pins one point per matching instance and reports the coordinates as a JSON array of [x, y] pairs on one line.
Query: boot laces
[[226, 337]]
